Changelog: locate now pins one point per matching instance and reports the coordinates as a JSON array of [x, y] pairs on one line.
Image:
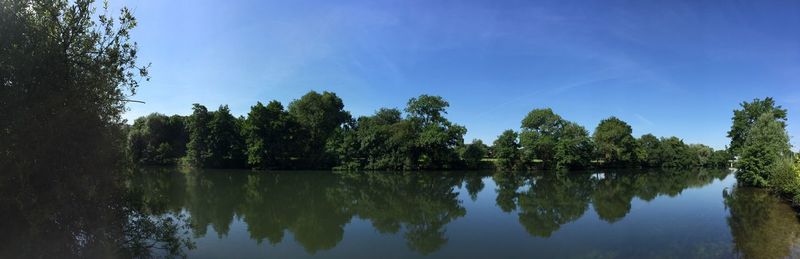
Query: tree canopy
[[745, 118], [614, 142]]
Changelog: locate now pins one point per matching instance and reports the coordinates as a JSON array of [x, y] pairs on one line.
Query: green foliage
[[574, 148], [614, 143], [271, 138], [674, 153], [437, 137], [318, 116], [226, 145], [66, 74], [506, 150], [785, 178], [385, 140], [745, 118], [157, 139], [700, 155], [198, 148], [268, 135], [472, 154], [766, 144], [650, 151], [425, 139], [541, 130], [428, 109], [720, 159]]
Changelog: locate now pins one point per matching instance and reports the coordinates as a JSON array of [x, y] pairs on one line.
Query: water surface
[[597, 214]]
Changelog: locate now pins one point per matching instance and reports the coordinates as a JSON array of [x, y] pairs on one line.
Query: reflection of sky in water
[[693, 223]]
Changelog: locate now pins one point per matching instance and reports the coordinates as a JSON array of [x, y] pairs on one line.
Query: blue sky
[[666, 67]]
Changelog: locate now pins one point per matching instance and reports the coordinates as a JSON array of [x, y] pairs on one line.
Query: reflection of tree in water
[[507, 185], [270, 204], [160, 190], [611, 197], [474, 184], [213, 198], [316, 206], [421, 203], [551, 199], [761, 224]]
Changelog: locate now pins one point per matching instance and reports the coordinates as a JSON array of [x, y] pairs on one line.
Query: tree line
[[546, 140], [315, 132]]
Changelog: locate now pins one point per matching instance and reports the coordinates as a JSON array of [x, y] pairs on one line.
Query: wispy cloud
[[643, 119]]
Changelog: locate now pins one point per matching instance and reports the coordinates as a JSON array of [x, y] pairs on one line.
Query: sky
[[670, 68]]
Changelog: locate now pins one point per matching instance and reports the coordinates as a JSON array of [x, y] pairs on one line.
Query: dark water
[[602, 214]]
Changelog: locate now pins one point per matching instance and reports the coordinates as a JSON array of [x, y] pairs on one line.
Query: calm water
[[601, 214]]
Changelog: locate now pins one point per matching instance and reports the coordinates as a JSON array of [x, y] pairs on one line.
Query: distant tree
[[574, 147], [344, 145], [540, 132], [651, 150], [746, 117], [385, 140], [318, 115], [198, 148], [157, 139], [226, 145], [438, 137], [268, 135], [675, 153], [766, 144], [506, 150], [701, 155], [720, 159], [614, 142], [472, 154]]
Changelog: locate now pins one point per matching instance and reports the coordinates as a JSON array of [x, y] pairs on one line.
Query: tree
[[318, 115], [720, 159], [427, 108], [198, 148], [701, 155], [472, 154], [66, 74], [675, 153], [226, 145], [766, 144], [438, 137], [651, 150], [574, 147], [385, 140], [614, 142], [268, 135], [540, 132], [506, 150], [157, 139], [745, 118]]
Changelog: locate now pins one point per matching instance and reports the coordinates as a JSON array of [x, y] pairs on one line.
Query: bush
[[786, 177]]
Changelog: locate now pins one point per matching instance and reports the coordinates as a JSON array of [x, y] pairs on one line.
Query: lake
[[594, 214]]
